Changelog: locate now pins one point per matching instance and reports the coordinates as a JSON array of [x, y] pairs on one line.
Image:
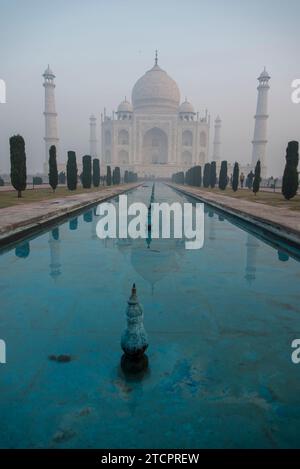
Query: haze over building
[[157, 135], [214, 51]]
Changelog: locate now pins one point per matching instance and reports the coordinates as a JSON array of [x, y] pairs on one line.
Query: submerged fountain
[[134, 340]]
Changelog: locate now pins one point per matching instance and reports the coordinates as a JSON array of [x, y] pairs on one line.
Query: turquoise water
[[220, 322]]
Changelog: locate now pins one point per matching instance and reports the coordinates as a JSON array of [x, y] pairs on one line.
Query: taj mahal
[[156, 135]]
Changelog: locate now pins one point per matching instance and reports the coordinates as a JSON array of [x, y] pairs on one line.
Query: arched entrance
[[155, 147]]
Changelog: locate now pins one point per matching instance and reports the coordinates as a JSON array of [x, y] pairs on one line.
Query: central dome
[[156, 92]]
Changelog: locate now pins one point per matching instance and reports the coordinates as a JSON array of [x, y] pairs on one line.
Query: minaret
[[217, 140], [51, 135], [93, 137], [259, 141]]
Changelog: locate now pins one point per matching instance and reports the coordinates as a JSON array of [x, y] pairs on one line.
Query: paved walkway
[[17, 220], [280, 221]]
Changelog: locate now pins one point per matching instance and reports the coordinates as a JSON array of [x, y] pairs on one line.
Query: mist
[[214, 50]]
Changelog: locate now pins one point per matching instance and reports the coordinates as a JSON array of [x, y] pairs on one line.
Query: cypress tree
[[96, 172], [187, 177], [178, 178], [290, 176], [86, 171], [36, 181], [18, 173], [249, 180], [62, 177], [235, 177], [256, 182], [213, 174], [108, 176], [117, 175], [198, 176], [53, 173], [223, 178], [72, 171], [206, 175], [126, 177]]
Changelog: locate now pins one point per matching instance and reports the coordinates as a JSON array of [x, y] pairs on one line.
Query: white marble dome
[[125, 106], [156, 91], [186, 108]]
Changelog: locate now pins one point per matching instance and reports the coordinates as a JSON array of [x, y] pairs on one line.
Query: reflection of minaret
[[51, 134], [217, 140], [93, 137], [252, 245], [259, 141], [54, 244], [212, 226]]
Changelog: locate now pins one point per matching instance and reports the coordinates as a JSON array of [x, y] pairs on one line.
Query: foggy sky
[[213, 49]]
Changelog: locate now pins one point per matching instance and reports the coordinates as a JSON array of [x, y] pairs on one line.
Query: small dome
[[186, 108], [218, 119], [125, 106], [264, 75], [48, 72]]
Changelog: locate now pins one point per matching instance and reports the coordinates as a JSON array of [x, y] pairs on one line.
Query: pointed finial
[[156, 57]]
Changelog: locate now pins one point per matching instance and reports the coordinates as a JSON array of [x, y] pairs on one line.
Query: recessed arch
[[203, 139], [155, 146], [107, 156], [107, 137], [187, 138], [123, 137], [187, 157], [202, 157], [123, 157]]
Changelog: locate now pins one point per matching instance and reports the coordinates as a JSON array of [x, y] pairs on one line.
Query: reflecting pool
[[220, 322]]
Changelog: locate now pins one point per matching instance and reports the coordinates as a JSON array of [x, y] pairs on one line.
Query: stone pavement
[[277, 220], [18, 220]]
